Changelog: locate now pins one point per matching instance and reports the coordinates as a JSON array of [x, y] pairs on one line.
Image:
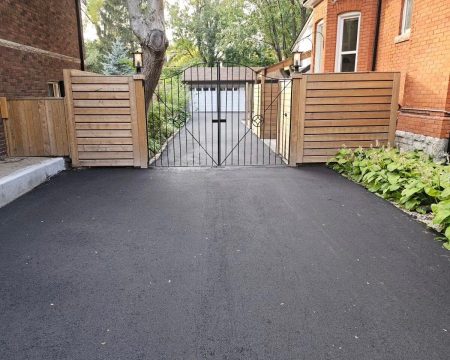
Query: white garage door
[[204, 99]]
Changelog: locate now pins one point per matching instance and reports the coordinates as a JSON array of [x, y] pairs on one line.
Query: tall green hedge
[[410, 179]]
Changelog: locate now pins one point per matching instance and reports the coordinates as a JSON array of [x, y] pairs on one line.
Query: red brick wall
[[49, 25], [2, 141], [424, 61], [330, 11]]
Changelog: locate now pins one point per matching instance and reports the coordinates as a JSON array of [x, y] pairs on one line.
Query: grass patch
[[410, 179]]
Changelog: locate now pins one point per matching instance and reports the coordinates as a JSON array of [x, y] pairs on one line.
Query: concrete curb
[[22, 181]]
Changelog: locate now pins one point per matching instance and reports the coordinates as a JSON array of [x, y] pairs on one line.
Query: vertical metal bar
[[218, 115], [186, 108], [226, 113], [192, 120], [172, 95], [198, 120], [182, 114]]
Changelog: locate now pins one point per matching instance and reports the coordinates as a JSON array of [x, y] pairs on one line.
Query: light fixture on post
[[137, 61]]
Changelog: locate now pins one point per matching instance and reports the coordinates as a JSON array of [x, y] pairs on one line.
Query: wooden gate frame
[[137, 114], [299, 108]]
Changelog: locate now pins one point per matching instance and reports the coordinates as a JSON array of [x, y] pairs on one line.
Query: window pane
[[318, 48], [50, 90], [350, 34], [348, 62], [408, 13]]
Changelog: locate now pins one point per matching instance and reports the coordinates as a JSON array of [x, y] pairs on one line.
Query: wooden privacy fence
[[330, 111], [35, 126], [106, 119]]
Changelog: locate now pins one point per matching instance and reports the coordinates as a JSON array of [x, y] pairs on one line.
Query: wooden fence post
[[73, 146], [394, 109], [297, 120], [141, 120]]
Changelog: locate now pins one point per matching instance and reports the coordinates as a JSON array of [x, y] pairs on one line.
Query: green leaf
[[432, 192]]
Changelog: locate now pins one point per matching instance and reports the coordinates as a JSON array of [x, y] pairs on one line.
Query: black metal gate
[[219, 116]]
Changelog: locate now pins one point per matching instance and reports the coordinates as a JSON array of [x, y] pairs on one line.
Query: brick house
[[38, 39], [409, 36]]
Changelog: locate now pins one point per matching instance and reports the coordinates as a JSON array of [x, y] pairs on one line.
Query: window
[[406, 17], [318, 48], [347, 42], [53, 89]]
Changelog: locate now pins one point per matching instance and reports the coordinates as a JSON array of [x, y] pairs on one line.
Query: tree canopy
[[244, 32]]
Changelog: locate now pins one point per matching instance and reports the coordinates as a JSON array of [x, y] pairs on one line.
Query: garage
[[204, 82]]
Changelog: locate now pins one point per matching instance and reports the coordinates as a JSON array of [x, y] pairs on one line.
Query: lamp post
[[137, 61]]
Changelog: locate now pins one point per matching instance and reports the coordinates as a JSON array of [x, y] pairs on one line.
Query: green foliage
[[410, 179], [94, 59], [111, 21], [224, 30], [118, 62], [279, 22], [167, 112]]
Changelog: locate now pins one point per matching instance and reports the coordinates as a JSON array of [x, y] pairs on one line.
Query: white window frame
[[318, 69], [339, 52], [403, 29]]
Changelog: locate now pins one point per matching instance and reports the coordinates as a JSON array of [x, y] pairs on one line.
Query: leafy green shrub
[[167, 112], [410, 179]]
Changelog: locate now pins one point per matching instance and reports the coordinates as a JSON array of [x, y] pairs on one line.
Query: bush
[[167, 112], [410, 179]]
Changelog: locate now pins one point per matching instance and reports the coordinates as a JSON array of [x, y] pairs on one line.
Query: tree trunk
[[148, 26], [153, 52]]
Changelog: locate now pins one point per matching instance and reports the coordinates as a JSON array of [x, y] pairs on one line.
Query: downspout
[[377, 36], [80, 33]]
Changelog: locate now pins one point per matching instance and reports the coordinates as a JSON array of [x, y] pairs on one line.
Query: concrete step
[[20, 175]]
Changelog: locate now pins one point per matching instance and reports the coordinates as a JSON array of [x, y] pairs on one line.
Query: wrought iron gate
[[217, 116]]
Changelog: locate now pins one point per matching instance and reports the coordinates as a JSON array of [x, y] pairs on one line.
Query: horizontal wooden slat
[[349, 100], [337, 108], [103, 126], [340, 144], [101, 103], [105, 147], [352, 122], [351, 77], [346, 130], [100, 80], [103, 133], [349, 115], [340, 137], [322, 152], [101, 95], [316, 159], [349, 92], [105, 141], [92, 155], [100, 87], [349, 85], [102, 118], [115, 162], [101, 111]]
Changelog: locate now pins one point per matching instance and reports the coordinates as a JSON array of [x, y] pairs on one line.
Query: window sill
[[402, 37]]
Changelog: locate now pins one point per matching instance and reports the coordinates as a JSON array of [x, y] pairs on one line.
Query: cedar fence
[[331, 111]]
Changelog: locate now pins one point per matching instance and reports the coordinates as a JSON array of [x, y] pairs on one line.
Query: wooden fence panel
[[107, 125], [36, 127], [284, 119], [336, 110]]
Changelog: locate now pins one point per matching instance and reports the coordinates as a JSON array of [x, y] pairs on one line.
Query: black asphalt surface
[[247, 263]]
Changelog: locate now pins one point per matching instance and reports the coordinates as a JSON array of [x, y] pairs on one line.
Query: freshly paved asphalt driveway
[[261, 263]]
